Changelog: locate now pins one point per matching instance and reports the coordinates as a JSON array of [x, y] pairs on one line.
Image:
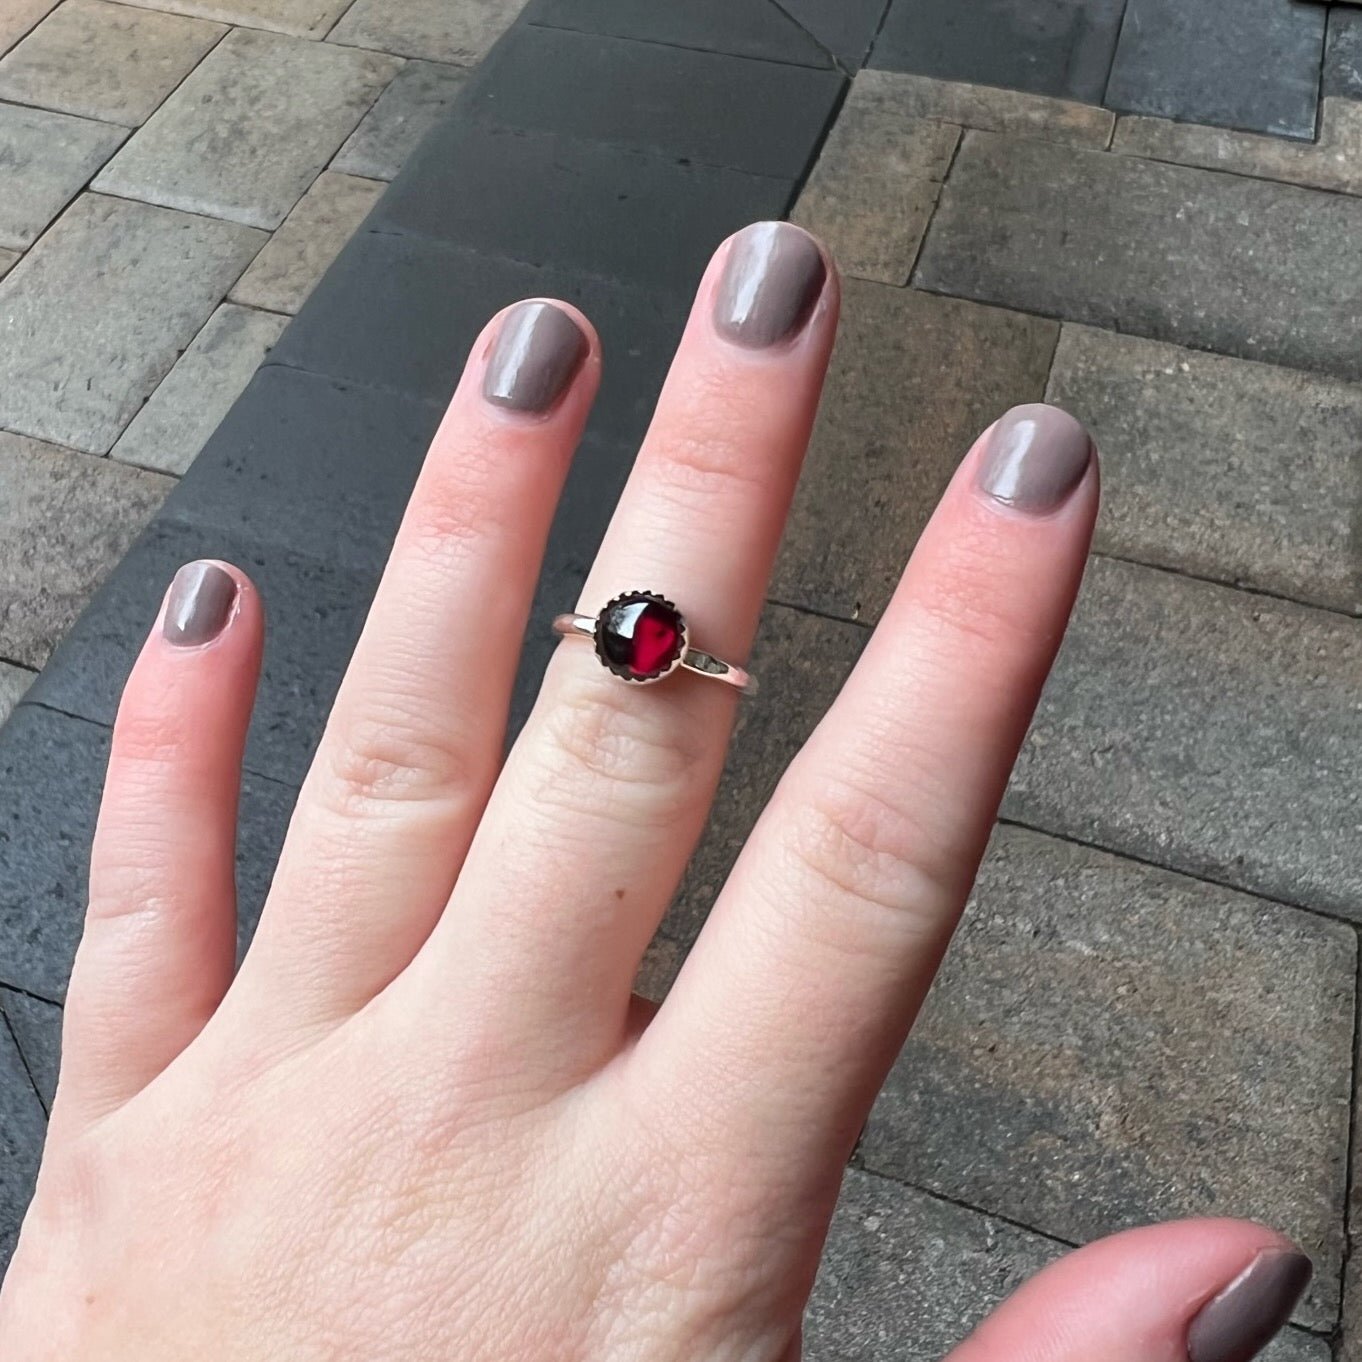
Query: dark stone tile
[[23, 1127], [51, 776], [315, 612], [1170, 1047], [707, 107], [845, 27], [320, 467], [1050, 47], [413, 331], [1189, 60], [1217, 262], [1343, 53], [586, 206], [37, 1028], [743, 28]]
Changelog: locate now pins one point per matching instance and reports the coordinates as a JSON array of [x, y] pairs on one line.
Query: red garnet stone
[[640, 636]]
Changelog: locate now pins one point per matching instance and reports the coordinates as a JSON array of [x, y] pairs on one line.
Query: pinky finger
[[1192, 1291], [160, 934]]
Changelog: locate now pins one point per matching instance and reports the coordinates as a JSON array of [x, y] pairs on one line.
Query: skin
[[427, 1119]]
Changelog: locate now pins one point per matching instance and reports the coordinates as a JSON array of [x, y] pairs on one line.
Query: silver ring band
[[642, 637]]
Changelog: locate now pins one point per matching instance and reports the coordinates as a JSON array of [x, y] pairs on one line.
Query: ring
[[642, 637]]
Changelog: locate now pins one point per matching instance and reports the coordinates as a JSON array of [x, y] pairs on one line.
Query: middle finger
[[605, 794]]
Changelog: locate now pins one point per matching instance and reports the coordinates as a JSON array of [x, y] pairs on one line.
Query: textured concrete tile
[[65, 520], [47, 160], [1219, 262], [250, 129], [872, 192], [1138, 1046], [1207, 730], [297, 255], [1044, 117], [407, 110], [196, 394], [1343, 53], [459, 31], [1185, 59], [305, 18], [105, 60], [8, 259], [905, 1277], [17, 17], [37, 1029], [104, 338], [14, 681], [1221, 467], [760, 30], [1050, 47], [801, 661], [704, 107], [914, 380], [1333, 162], [23, 1127]]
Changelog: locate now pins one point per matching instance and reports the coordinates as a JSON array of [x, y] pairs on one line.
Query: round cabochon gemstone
[[640, 636]]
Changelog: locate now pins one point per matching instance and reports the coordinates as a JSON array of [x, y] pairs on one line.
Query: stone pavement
[[1151, 1008]]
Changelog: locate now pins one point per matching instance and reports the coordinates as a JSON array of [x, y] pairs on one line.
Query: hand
[[427, 1119]]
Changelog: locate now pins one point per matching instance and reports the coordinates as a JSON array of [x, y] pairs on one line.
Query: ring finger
[[601, 802]]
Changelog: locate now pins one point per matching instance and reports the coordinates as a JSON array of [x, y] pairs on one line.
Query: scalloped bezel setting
[[641, 636]]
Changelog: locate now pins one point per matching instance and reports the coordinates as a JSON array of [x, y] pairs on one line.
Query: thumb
[[1193, 1291]]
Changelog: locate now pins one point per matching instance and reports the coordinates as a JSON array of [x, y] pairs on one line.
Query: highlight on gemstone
[[640, 636]]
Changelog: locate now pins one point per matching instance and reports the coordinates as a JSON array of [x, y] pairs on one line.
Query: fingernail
[[199, 604], [538, 350], [1238, 1323], [773, 277], [1036, 456]]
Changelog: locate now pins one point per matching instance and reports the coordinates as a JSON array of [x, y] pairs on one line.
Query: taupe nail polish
[[772, 279], [537, 352], [1238, 1323], [199, 604], [1035, 458]]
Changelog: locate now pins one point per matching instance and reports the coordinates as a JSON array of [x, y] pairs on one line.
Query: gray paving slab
[[23, 1127], [1218, 262], [48, 158], [167, 434], [1139, 1046], [876, 183], [297, 255], [1223, 468], [1342, 74], [251, 128], [1182, 59], [914, 379], [304, 18], [14, 681], [906, 1277], [1333, 161], [36, 1026], [845, 27], [8, 259], [416, 100], [17, 17], [107, 61], [1205, 729], [460, 31], [65, 519], [104, 339]]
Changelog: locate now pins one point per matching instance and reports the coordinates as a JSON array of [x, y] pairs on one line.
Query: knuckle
[[379, 759], [861, 849]]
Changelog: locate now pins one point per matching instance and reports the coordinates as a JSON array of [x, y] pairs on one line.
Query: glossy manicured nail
[[537, 352], [199, 604], [1238, 1323], [773, 277], [1035, 458]]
